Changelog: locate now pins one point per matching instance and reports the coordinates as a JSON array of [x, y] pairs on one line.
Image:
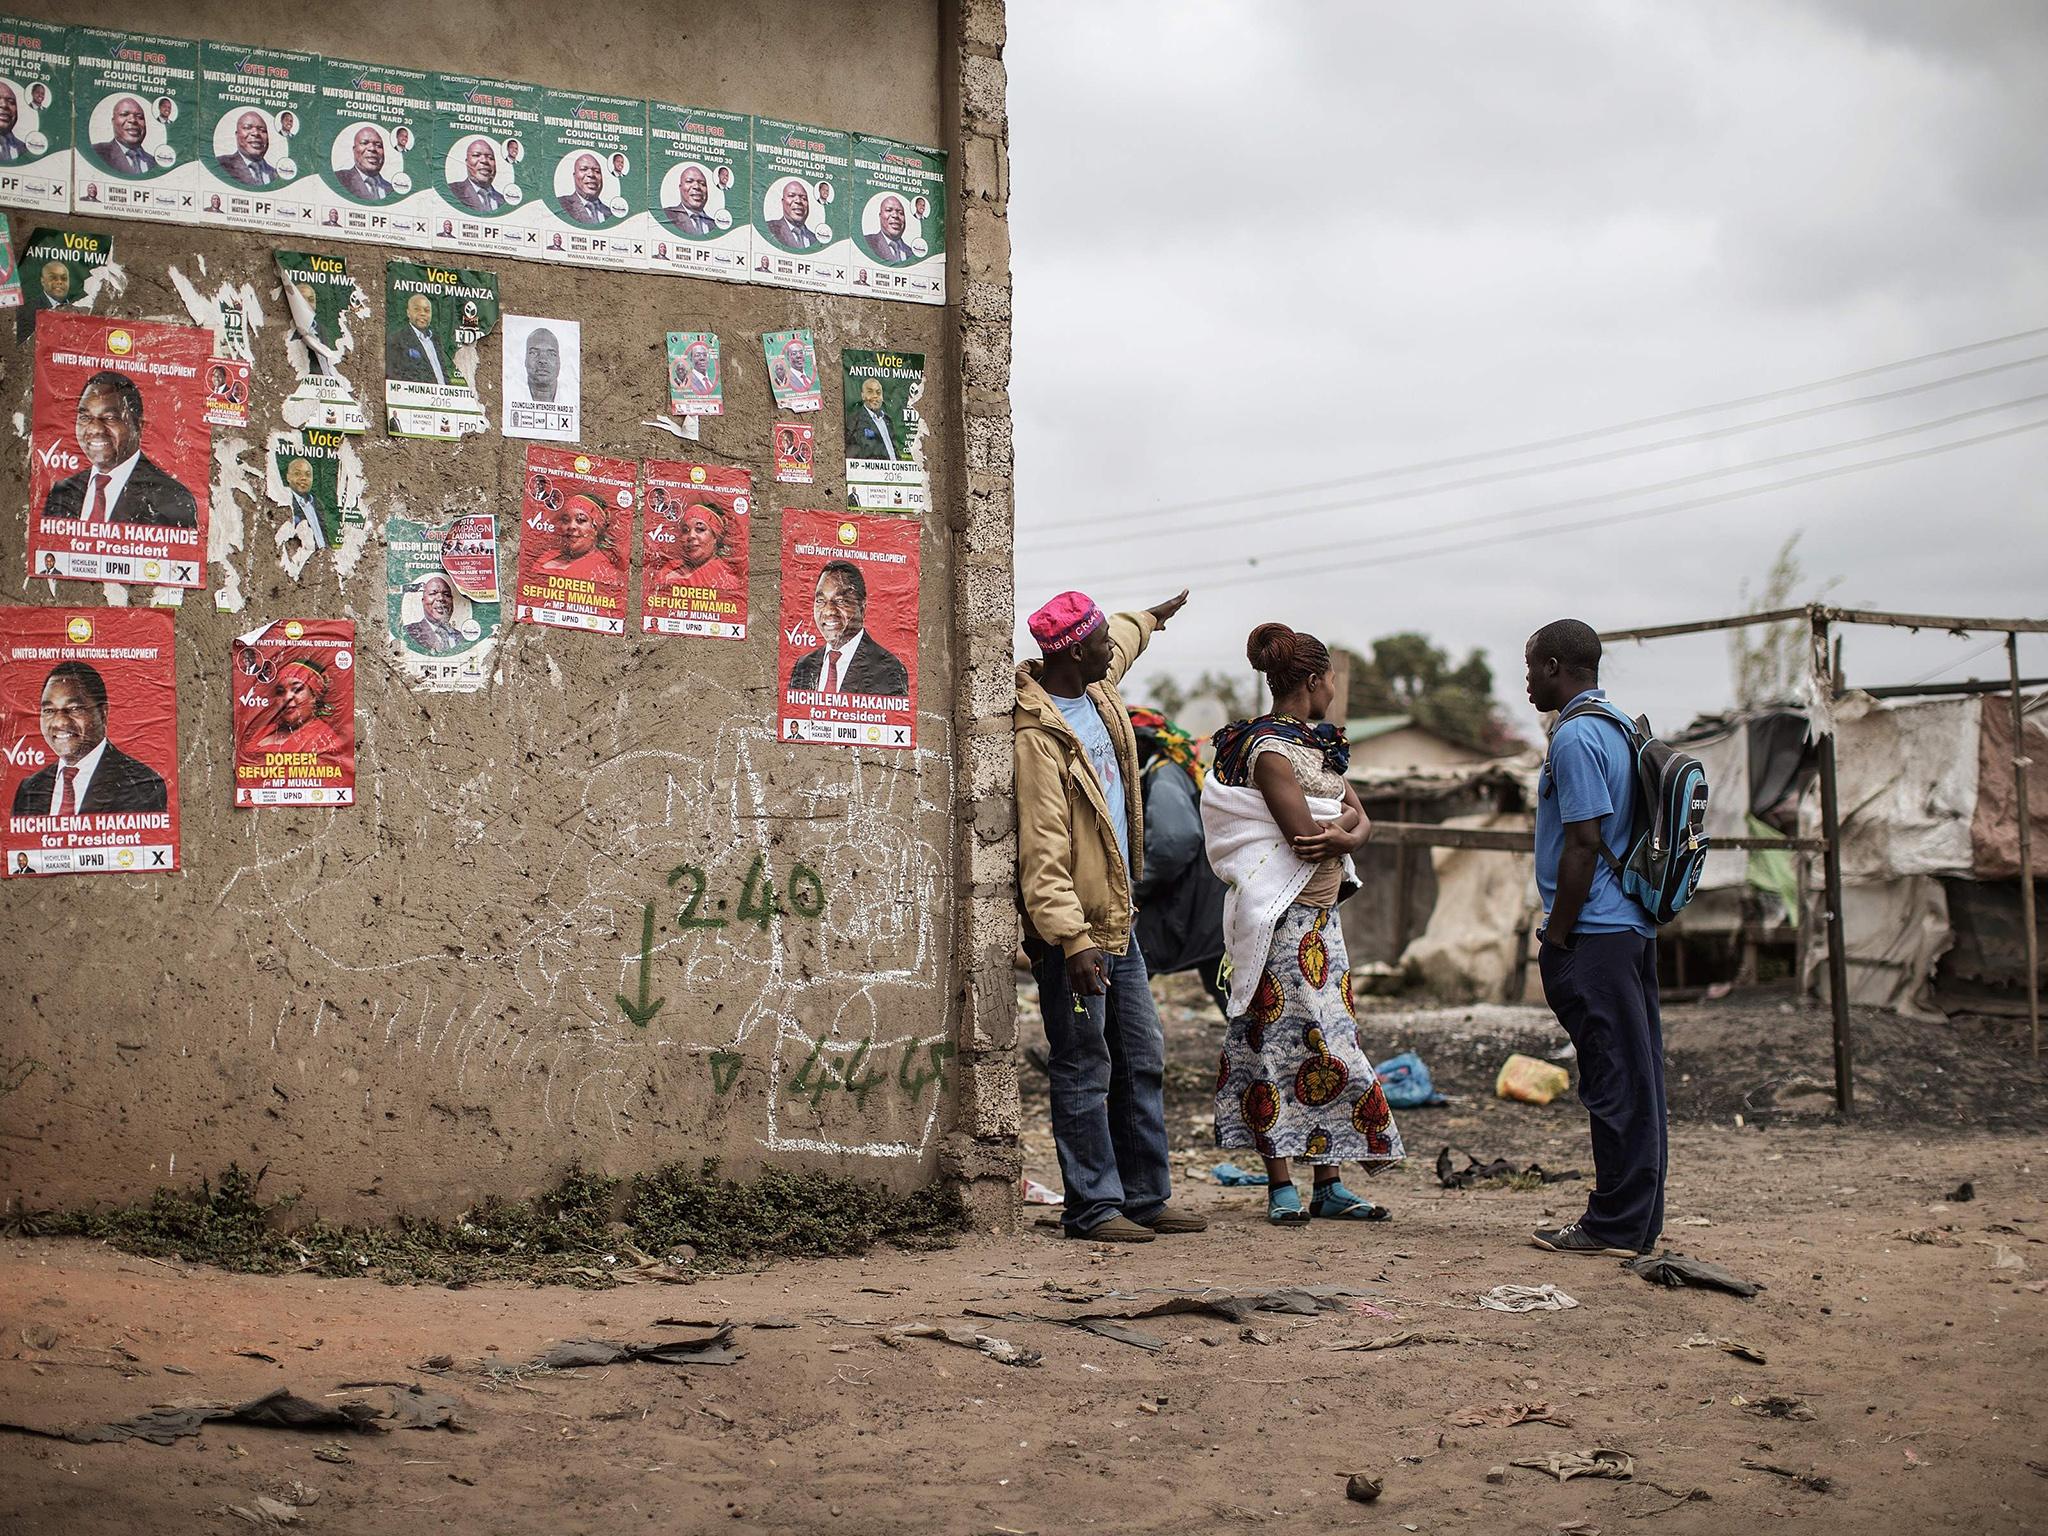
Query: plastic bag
[[1529, 1080], [1406, 1083]]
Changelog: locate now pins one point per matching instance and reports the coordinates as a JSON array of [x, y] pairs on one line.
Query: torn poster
[[135, 133], [575, 541], [799, 177], [257, 128], [593, 159], [441, 594], [541, 379], [295, 714], [35, 147], [321, 299], [120, 457], [696, 383], [485, 163], [899, 234], [227, 375], [792, 369], [849, 621], [320, 488], [795, 452], [435, 316], [885, 469], [88, 698], [698, 178], [693, 550], [373, 127], [10, 275], [55, 265]]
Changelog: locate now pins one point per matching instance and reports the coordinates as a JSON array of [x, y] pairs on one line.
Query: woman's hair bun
[[1271, 648]]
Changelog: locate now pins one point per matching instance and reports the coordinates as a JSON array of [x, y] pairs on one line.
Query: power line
[[1658, 488], [1495, 477], [1638, 515]]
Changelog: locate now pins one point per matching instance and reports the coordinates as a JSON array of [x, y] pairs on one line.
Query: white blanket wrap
[[1251, 856]]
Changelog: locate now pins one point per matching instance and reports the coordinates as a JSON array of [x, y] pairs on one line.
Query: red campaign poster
[[120, 455], [295, 714], [693, 550], [575, 541], [89, 723], [848, 658]]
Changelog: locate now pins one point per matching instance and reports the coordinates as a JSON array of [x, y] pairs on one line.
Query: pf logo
[[78, 629]]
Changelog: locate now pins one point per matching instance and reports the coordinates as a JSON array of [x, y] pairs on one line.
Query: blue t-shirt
[[1109, 773], [1588, 775]]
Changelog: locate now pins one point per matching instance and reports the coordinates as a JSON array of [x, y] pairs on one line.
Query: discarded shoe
[[1283, 1206], [1118, 1229], [1171, 1220], [1574, 1238], [1333, 1202]]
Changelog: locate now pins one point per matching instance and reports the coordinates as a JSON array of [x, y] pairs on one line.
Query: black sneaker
[[1576, 1239]]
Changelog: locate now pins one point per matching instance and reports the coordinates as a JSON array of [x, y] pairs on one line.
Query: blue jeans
[[1108, 1069]]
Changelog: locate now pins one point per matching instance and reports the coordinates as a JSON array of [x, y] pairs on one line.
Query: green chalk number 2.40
[[759, 902]]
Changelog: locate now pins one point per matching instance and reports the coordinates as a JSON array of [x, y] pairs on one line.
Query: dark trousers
[[1604, 992]]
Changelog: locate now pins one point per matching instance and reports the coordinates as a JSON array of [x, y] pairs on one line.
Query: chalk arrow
[[645, 1010]]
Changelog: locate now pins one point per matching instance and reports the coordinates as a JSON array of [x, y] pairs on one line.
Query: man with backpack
[[1598, 950]]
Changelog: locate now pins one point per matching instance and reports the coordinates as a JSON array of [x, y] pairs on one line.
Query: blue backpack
[[1669, 850]]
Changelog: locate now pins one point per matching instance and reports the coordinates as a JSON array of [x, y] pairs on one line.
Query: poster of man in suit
[[592, 152], [295, 714], [55, 266], [136, 124], [435, 318], [257, 149], [899, 228], [698, 189], [482, 172], [848, 651], [374, 185], [322, 304], [35, 115], [120, 457], [88, 705], [443, 607], [799, 204], [318, 482], [885, 469]]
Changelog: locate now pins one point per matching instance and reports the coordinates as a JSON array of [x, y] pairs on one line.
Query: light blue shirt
[[1109, 773], [1588, 775]]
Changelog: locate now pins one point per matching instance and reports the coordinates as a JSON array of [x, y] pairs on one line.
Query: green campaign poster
[[698, 180], [258, 126], [434, 319], [799, 204], [35, 115], [884, 434], [593, 179], [373, 132], [899, 221], [442, 603], [488, 163], [320, 486], [135, 118], [324, 304], [54, 267]]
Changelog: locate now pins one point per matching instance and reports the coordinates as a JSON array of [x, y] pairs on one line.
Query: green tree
[[1408, 674], [1766, 662]]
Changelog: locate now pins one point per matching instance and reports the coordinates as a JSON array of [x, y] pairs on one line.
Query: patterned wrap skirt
[[1293, 1081]]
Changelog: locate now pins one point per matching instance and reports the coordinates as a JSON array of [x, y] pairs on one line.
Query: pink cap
[[1067, 620]]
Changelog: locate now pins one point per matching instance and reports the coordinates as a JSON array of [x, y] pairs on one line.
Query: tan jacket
[[1072, 884]]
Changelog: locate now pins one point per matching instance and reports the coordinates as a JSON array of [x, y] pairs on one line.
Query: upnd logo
[[119, 342], [78, 629], [848, 534], [293, 629], [697, 475], [125, 858], [582, 463]]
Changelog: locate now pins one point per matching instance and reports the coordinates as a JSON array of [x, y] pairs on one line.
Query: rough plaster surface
[[413, 1003]]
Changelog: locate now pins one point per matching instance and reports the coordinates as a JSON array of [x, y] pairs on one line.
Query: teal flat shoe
[[1333, 1202], [1283, 1206]]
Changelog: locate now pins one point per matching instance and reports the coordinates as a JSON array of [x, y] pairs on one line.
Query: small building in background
[[1399, 743]]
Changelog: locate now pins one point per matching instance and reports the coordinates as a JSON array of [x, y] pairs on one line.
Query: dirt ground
[[1921, 1362]]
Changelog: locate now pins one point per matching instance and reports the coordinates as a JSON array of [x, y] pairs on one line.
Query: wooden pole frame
[[2020, 764]]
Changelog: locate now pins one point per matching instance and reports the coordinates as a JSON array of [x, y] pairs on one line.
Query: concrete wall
[[409, 1004]]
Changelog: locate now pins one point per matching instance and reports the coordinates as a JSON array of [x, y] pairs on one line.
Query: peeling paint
[[110, 278]]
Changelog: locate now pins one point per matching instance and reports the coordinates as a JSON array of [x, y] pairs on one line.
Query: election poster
[[320, 486], [488, 162], [699, 176], [575, 541], [372, 133], [792, 358], [10, 275], [541, 379], [135, 126], [227, 375], [89, 720], [885, 468], [322, 305], [258, 132], [295, 714], [442, 602], [899, 221], [696, 383], [435, 317], [35, 115], [55, 266], [800, 193], [592, 164], [847, 662], [795, 453], [120, 458], [693, 550]]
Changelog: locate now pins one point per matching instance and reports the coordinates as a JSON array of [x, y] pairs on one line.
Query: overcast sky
[[1261, 246]]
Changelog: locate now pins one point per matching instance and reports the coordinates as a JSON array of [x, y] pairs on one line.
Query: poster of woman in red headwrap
[[295, 714], [575, 541], [693, 557]]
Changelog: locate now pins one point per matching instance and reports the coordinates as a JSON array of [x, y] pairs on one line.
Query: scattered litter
[[1507, 1415], [1913, 1458], [333, 1451], [255, 1354], [39, 1336], [1036, 1193], [1933, 1237], [1232, 1177], [1598, 1462], [1364, 1487], [1776, 1406], [1405, 1080], [1530, 1081], [1002, 1351], [1735, 1347], [1962, 1194], [1476, 1172], [1409, 1336], [2003, 1257], [1230, 1306], [1253, 1336], [1803, 1479], [713, 1349], [1694, 1221], [1496, 1474], [1527, 1298], [438, 1363], [1675, 1269], [1577, 1528], [266, 1514], [705, 1322], [274, 1410]]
